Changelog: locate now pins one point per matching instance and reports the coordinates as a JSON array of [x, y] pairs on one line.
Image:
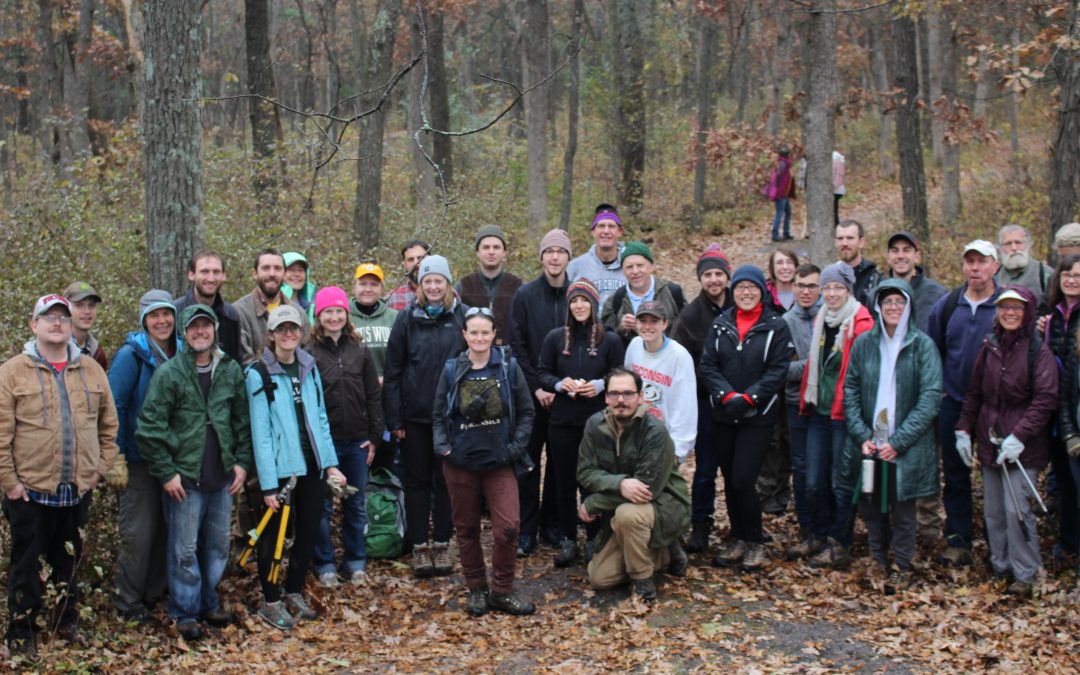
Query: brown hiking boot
[[731, 553], [754, 559], [422, 566], [440, 559], [808, 546], [898, 581], [834, 555]]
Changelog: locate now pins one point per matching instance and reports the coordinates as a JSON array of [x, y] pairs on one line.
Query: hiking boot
[[70, 634], [23, 647], [422, 565], [299, 607], [589, 551], [568, 553], [898, 581], [358, 578], [138, 616], [754, 559], [698, 542], [679, 562], [526, 545], [218, 618], [955, 556], [1021, 589], [440, 559], [551, 536], [189, 630], [834, 555], [509, 603], [328, 579], [731, 553], [808, 546], [478, 601], [275, 614], [645, 589]]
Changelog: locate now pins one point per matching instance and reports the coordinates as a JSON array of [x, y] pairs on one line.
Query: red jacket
[[859, 325]]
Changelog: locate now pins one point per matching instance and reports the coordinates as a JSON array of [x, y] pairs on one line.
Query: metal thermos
[[868, 475]]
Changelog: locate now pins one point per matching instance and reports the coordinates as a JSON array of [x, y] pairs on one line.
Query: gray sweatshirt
[[801, 324], [607, 277]]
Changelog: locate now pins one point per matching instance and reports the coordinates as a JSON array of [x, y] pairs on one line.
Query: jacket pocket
[[31, 406]]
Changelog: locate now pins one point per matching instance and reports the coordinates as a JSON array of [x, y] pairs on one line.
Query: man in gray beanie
[[1067, 240], [491, 285]]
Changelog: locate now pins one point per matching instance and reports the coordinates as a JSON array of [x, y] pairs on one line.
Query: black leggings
[[421, 475], [741, 451], [308, 502]]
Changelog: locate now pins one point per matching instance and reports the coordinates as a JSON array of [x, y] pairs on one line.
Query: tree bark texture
[[378, 63], [79, 100], [1065, 157], [49, 102], [708, 33], [424, 188], [439, 112], [172, 133], [880, 66], [778, 74], [572, 118], [629, 64], [820, 125], [266, 132], [536, 115], [950, 149], [908, 134], [937, 49]]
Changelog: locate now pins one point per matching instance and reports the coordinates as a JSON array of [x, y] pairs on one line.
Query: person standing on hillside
[[780, 191], [206, 273], [602, 263], [491, 285]]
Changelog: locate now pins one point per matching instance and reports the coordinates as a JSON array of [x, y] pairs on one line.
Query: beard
[[1017, 260], [269, 288]]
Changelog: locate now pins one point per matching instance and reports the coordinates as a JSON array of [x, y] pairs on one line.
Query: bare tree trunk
[[172, 133], [778, 73], [938, 37], [879, 63], [79, 92], [1012, 109], [377, 67], [950, 184], [49, 107], [307, 76], [1065, 157], [133, 29], [439, 112], [425, 175], [536, 114], [742, 61], [629, 64], [908, 134], [983, 84], [706, 49], [572, 117], [820, 128], [266, 132]]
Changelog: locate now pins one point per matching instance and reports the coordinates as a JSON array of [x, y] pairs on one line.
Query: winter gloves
[[118, 473], [963, 446], [1011, 448]]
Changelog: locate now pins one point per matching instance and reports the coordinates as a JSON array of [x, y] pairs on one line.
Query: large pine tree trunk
[[536, 114], [629, 64], [707, 35], [572, 118], [908, 134], [266, 132], [172, 134], [378, 63], [1065, 157], [819, 122]]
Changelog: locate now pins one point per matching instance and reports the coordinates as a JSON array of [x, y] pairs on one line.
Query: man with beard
[[850, 241], [206, 272], [254, 308], [1018, 268], [412, 253], [491, 285]]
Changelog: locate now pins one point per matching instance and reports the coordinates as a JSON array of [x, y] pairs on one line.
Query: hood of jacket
[[73, 351], [308, 292]]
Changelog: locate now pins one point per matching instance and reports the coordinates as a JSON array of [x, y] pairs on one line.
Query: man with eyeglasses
[[58, 429], [958, 323], [627, 465], [602, 263]]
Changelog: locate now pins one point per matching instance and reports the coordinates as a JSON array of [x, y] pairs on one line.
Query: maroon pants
[[499, 489]]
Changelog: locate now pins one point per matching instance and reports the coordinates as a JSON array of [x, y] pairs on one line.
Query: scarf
[[889, 348], [845, 319]]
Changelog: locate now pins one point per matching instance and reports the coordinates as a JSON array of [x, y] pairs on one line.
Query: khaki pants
[[626, 555]]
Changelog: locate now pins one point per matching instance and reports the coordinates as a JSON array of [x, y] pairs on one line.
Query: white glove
[[963, 447], [1011, 448]]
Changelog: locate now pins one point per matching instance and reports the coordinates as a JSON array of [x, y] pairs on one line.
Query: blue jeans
[[783, 210], [956, 495], [197, 548], [828, 500], [706, 464], [797, 429], [352, 461]]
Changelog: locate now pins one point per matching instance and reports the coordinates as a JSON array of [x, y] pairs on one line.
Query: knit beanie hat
[[555, 239], [1067, 235], [713, 259], [583, 287], [153, 299], [839, 273], [489, 231], [635, 248], [435, 264], [752, 274], [330, 296]]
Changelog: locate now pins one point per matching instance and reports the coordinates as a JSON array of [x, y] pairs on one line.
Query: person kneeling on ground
[[482, 419], [627, 464]]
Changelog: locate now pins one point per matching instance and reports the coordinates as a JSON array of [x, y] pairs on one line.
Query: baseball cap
[[651, 308], [284, 314], [80, 290], [982, 247], [364, 269], [905, 235], [1009, 294], [47, 302]]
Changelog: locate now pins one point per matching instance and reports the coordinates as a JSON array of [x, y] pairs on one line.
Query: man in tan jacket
[[57, 442]]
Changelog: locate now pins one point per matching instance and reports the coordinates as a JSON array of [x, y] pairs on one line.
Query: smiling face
[[83, 314], [367, 290], [580, 308], [807, 290], [434, 286], [622, 396], [747, 295], [286, 338], [1070, 282], [479, 333], [269, 274], [714, 282], [296, 276], [199, 335], [902, 259], [208, 277], [836, 295], [333, 319], [606, 233], [892, 309], [783, 267], [1010, 314], [638, 272], [159, 324], [651, 329]]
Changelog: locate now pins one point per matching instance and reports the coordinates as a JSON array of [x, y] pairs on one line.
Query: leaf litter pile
[[790, 618]]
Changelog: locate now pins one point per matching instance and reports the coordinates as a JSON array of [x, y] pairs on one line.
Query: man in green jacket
[[627, 464], [194, 432]]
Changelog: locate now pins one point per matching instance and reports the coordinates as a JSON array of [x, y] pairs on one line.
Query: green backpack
[[385, 536]]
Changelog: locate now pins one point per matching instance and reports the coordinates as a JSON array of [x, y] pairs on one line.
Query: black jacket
[[692, 327], [757, 365], [1068, 396], [1061, 338], [554, 366], [418, 347], [537, 308], [350, 388], [228, 332], [867, 277]]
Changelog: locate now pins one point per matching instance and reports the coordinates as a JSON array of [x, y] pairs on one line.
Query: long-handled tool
[[255, 534], [1031, 485], [996, 440]]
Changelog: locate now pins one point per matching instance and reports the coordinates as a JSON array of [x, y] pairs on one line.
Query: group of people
[[563, 403]]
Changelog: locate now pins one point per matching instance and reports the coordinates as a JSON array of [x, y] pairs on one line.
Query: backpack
[[385, 499]]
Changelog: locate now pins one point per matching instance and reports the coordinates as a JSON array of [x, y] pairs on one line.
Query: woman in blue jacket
[[290, 435], [140, 569]]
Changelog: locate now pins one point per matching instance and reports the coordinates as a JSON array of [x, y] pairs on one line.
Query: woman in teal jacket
[[891, 396], [290, 435]]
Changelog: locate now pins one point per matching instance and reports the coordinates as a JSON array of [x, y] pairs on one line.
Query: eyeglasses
[[482, 311], [833, 288], [1069, 276], [898, 302], [55, 318], [806, 287], [746, 289], [621, 395], [287, 328]]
